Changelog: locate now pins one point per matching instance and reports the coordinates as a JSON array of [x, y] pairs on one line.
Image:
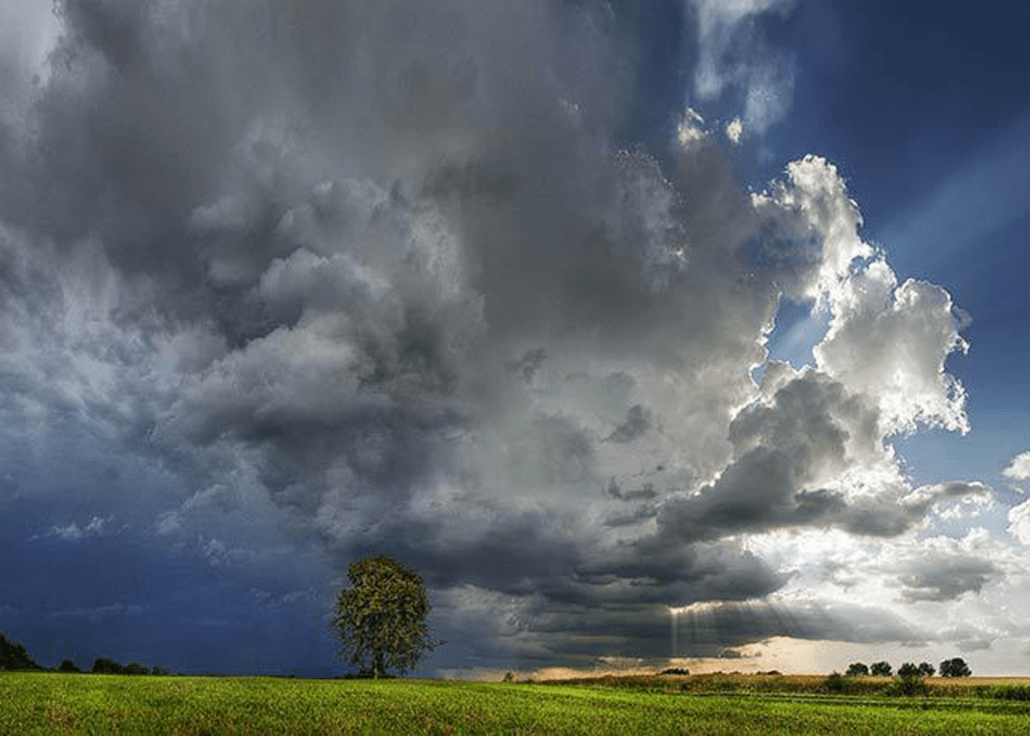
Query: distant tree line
[[14, 657], [955, 667]]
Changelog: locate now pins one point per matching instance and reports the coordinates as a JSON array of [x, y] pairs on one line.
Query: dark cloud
[[529, 634], [968, 637], [638, 422], [785, 449], [529, 363], [641, 513], [943, 579]]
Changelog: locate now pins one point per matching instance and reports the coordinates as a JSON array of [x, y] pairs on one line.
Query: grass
[[48, 703], [762, 683]]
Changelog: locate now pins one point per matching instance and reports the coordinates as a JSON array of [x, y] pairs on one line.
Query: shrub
[[907, 686], [105, 666], [1010, 692], [835, 683], [509, 677], [676, 671], [68, 666]]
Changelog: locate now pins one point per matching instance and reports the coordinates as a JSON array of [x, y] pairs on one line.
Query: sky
[[687, 333]]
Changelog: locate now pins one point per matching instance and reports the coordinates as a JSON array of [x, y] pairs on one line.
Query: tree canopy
[[14, 657], [956, 667], [909, 669], [381, 620], [882, 669], [856, 669]]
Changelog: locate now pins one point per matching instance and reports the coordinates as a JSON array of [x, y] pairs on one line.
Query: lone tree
[[882, 669], [857, 669], [956, 667], [381, 620]]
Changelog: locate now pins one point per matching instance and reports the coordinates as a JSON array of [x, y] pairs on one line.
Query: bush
[[676, 671], [68, 666], [926, 669], [835, 683], [105, 666], [907, 686], [857, 669], [135, 668], [509, 677], [1010, 692]]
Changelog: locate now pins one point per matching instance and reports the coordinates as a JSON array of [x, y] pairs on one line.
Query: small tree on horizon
[[909, 669], [105, 666], [956, 667], [381, 620], [926, 669], [856, 669], [881, 669]]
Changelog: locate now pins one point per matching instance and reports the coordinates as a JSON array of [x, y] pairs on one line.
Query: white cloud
[[735, 56], [1018, 468], [1019, 522], [891, 343], [73, 532], [809, 230], [734, 130], [220, 554]]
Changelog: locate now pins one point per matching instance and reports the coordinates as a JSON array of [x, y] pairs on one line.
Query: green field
[[32, 703]]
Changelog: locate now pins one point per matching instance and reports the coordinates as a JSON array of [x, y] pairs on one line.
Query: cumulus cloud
[[1018, 468], [379, 278], [734, 130], [1019, 522], [945, 579]]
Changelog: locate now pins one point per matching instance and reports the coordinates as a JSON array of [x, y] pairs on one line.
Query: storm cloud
[[384, 277]]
